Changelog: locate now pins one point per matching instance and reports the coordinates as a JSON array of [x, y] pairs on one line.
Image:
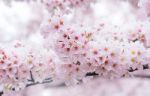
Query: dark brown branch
[[1, 93], [35, 83], [91, 74], [146, 66]]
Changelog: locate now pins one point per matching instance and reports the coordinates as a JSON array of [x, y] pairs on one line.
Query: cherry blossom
[[75, 46]]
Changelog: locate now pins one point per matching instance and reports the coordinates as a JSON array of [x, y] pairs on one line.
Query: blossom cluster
[[98, 47], [22, 65], [65, 5]]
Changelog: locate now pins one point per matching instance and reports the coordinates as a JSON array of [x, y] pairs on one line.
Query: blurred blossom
[[15, 23], [98, 87]]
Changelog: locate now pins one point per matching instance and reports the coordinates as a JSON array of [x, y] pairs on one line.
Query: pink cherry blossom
[[73, 44]]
